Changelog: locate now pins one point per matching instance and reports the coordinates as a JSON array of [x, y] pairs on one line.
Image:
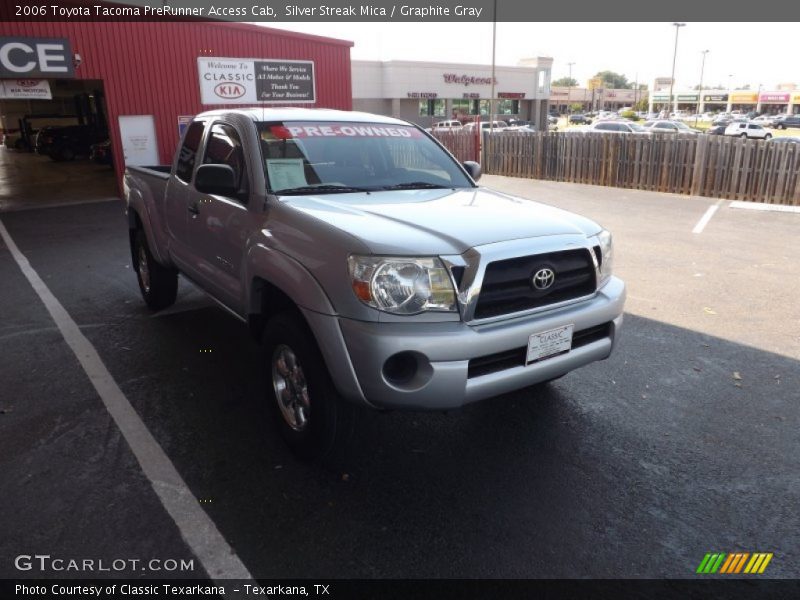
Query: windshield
[[683, 126], [636, 127], [339, 157]]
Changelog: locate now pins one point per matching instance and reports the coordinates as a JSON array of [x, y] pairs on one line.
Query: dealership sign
[[28, 89], [715, 98], [254, 80], [35, 58]]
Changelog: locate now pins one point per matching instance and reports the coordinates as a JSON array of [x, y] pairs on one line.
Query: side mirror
[[474, 169], [219, 180]]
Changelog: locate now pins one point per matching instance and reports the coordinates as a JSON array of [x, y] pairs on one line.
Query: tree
[[565, 82], [614, 80]]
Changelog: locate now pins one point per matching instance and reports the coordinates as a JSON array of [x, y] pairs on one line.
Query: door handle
[[193, 209]]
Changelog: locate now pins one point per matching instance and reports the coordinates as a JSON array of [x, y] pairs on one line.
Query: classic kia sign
[[255, 80], [35, 58]]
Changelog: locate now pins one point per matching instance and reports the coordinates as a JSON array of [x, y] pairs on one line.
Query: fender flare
[[288, 275]]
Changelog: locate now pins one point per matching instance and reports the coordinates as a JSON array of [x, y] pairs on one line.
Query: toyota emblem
[[544, 278]]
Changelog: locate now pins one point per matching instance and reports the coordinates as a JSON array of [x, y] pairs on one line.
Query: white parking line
[[701, 224], [198, 530], [765, 206]]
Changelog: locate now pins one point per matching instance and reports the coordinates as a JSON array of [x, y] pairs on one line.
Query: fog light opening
[[400, 369]]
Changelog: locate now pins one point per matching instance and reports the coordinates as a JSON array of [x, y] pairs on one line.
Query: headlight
[[400, 285], [606, 258]]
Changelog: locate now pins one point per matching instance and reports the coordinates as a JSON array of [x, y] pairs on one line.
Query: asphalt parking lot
[[685, 441]]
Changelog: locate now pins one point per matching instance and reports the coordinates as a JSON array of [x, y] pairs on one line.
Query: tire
[[781, 126], [743, 136], [158, 284], [311, 416], [768, 136]]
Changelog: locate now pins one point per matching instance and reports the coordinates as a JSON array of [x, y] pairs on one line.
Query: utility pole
[[494, 48], [674, 58], [700, 104], [569, 91]]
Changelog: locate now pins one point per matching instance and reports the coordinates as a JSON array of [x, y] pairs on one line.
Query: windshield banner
[[308, 130]]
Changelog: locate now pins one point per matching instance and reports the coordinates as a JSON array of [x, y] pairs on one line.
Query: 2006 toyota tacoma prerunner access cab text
[[370, 265]]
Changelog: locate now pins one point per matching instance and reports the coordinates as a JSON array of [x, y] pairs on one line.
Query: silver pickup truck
[[369, 264]]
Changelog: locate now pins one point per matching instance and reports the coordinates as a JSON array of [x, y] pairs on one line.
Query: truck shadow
[[551, 481]]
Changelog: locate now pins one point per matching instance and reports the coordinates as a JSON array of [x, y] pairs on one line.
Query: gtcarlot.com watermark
[[45, 563]]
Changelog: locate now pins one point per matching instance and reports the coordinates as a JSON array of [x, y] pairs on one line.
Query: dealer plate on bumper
[[548, 344]]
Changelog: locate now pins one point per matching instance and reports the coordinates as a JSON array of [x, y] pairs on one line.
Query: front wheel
[[768, 136], [312, 418], [158, 284]]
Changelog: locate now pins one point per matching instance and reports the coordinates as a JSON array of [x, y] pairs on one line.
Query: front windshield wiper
[[321, 189], [415, 185]]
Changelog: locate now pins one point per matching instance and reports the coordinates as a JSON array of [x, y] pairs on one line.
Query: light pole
[[494, 49], [674, 58], [700, 104], [569, 90], [730, 93], [758, 99]]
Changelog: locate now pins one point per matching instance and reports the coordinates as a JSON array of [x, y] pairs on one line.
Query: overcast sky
[[759, 53]]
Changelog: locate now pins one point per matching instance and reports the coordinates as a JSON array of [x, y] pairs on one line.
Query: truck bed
[[150, 181]]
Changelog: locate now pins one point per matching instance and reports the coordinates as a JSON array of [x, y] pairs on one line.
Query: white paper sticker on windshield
[[286, 173]]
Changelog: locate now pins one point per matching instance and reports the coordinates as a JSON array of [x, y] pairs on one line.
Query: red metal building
[[151, 68]]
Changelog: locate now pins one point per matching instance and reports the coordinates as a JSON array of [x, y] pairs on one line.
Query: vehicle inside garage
[[48, 144]]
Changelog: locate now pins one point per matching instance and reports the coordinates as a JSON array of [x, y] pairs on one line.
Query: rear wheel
[[743, 136], [768, 136], [312, 418], [158, 284]]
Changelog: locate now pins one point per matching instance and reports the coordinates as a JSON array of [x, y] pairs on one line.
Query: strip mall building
[[424, 92]]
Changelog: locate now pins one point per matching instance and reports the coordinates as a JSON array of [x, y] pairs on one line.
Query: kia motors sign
[[28, 89], [255, 80], [35, 58]]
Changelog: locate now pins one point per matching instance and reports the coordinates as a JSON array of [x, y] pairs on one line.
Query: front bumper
[[444, 351]]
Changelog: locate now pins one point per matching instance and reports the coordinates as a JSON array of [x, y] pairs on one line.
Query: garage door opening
[[55, 150]]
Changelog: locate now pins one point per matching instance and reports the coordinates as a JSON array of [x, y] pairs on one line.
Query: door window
[[188, 151], [224, 147]]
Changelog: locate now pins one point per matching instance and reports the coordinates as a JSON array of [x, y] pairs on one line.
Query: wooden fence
[[701, 165], [464, 145]]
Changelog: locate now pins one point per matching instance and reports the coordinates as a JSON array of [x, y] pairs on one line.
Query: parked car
[[580, 119], [718, 129], [520, 125], [663, 126], [420, 291], [747, 130], [67, 143], [786, 121], [101, 153], [487, 126], [765, 120], [786, 139], [552, 119], [619, 127], [446, 126]]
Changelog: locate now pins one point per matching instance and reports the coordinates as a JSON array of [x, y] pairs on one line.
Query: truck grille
[[508, 284], [492, 363]]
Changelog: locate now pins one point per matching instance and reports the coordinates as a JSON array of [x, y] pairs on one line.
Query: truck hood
[[438, 222]]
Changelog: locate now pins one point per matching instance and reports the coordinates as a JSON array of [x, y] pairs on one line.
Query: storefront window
[[508, 107], [461, 107], [431, 108]]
